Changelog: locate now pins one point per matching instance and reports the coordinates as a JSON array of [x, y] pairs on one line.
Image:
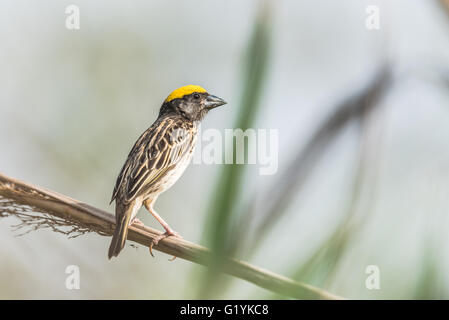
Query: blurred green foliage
[[220, 232]]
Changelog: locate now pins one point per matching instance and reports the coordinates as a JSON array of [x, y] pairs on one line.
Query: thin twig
[[81, 214]]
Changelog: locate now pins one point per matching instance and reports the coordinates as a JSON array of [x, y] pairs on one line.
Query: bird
[[158, 159]]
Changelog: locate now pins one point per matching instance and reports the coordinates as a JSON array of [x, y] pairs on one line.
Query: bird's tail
[[120, 232]]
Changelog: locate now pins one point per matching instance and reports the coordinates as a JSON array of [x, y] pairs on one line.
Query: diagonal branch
[[16, 193]]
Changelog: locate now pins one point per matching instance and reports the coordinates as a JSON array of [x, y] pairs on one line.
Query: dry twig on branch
[[40, 208]]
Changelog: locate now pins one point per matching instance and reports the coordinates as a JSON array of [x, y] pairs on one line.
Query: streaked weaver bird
[[158, 159]]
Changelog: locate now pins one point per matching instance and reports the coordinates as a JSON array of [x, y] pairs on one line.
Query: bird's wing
[[156, 152]]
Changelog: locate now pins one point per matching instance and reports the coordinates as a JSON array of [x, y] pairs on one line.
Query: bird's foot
[[137, 222], [168, 233]]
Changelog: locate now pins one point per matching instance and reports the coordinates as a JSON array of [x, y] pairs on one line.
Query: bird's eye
[[196, 96]]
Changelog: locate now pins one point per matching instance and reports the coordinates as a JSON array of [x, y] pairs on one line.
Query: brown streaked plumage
[[158, 159]]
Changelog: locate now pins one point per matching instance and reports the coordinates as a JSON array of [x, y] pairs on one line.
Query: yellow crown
[[181, 92]]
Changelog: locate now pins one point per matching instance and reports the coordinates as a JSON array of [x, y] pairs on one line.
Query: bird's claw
[[155, 241], [137, 222]]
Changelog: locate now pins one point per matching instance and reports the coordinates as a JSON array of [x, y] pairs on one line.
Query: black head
[[190, 102]]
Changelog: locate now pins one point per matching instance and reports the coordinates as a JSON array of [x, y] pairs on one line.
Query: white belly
[[173, 176], [169, 179]]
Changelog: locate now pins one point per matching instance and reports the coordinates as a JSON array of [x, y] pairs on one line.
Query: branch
[[81, 216]]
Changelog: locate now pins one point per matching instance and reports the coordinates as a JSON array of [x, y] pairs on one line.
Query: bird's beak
[[213, 102]]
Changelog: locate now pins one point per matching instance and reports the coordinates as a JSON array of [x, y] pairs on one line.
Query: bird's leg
[[168, 231]]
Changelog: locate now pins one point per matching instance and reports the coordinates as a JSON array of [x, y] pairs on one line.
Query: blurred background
[[363, 122]]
